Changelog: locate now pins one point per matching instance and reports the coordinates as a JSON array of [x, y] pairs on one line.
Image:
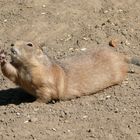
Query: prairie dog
[[72, 77]]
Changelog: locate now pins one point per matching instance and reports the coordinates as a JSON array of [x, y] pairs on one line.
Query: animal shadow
[[15, 96]]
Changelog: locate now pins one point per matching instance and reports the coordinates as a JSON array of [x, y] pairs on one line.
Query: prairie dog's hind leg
[[46, 94]]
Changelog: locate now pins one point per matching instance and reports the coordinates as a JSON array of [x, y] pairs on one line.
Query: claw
[[2, 56], [2, 51]]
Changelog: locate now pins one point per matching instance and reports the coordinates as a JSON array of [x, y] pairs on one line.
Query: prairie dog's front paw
[[2, 57]]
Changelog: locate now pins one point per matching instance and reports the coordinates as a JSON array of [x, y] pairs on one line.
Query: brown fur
[[72, 77]]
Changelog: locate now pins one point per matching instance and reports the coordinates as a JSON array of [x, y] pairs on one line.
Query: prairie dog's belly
[[25, 81]]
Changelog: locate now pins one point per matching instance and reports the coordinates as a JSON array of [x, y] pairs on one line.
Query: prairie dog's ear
[[39, 52], [41, 45]]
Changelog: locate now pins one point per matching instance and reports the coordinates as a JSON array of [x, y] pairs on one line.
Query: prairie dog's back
[[94, 70]]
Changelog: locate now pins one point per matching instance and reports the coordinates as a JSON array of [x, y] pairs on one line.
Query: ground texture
[[64, 28]]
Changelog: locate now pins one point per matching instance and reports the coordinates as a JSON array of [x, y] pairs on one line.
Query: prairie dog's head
[[24, 51]]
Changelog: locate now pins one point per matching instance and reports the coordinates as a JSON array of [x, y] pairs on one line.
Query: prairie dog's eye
[[30, 44]]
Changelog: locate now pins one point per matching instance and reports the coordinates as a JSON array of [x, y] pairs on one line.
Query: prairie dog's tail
[[133, 60]]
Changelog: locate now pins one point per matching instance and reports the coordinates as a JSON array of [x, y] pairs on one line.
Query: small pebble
[[84, 117], [68, 37], [26, 121], [83, 49], [53, 129], [5, 20], [43, 5], [120, 10], [36, 109], [125, 82], [108, 96], [43, 13], [91, 130], [71, 49], [127, 43], [113, 43], [18, 114], [1, 120], [31, 120], [106, 11], [116, 110], [132, 71], [85, 38]]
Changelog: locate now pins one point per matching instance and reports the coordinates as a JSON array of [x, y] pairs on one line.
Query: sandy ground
[[68, 27]]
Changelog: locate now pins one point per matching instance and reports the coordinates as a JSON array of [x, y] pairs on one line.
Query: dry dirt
[[68, 27]]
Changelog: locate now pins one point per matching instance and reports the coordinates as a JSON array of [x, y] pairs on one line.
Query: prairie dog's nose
[[12, 50]]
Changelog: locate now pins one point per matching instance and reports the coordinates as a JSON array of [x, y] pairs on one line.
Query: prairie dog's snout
[[13, 50]]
